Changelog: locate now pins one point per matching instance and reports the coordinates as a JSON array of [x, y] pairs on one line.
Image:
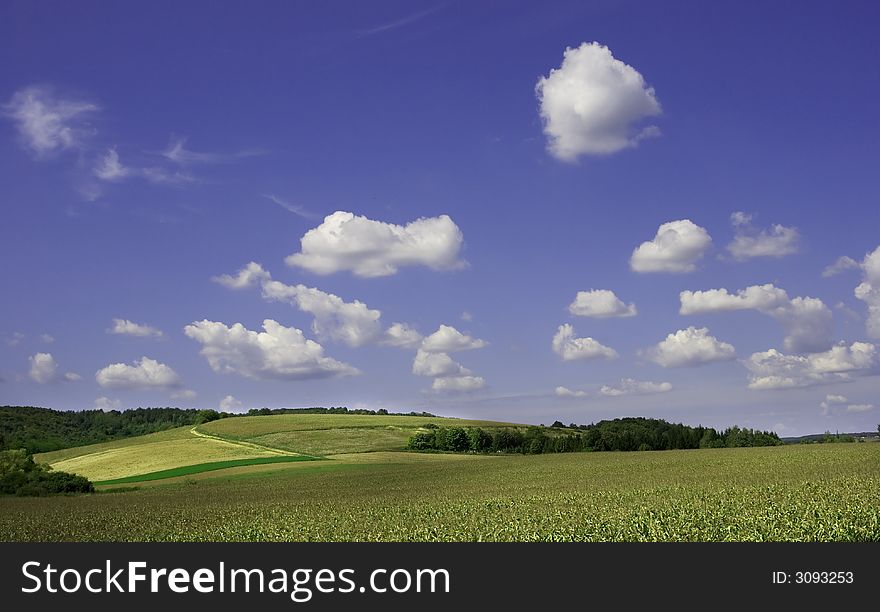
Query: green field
[[801, 492]]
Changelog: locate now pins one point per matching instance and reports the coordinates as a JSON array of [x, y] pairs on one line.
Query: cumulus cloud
[[47, 123], [566, 392], [600, 303], [829, 401], [43, 368], [594, 103], [144, 374], [630, 386], [368, 248], [458, 384], [402, 335], [690, 347], [72, 377], [437, 364], [869, 291], [278, 352], [772, 369], [677, 247], [807, 321], [124, 327], [184, 394], [447, 339], [106, 404], [250, 275], [570, 348], [749, 241], [859, 407], [230, 404], [841, 264]]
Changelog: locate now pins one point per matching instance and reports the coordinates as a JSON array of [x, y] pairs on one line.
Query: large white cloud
[[690, 347], [593, 103], [570, 348], [749, 242], [368, 248], [458, 384], [869, 291], [447, 339], [677, 247], [600, 303], [630, 386], [807, 321], [43, 368], [142, 374], [774, 370], [278, 352], [125, 327], [47, 123], [437, 365]]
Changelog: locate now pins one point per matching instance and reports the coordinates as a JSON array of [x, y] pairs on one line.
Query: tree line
[[624, 434], [20, 475]]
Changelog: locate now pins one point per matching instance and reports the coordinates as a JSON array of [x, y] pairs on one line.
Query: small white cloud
[[566, 392], [630, 386], [593, 103], [43, 368], [47, 338], [774, 370], [250, 275], [15, 339], [869, 291], [402, 335], [690, 347], [447, 339], [859, 407], [677, 247], [72, 377], [47, 123], [230, 404], [124, 327], [458, 384], [106, 404], [109, 168], [278, 352], [600, 303], [437, 365], [841, 264], [570, 348], [184, 394], [371, 248], [290, 207], [466, 316], [144, 374], [749, 242]]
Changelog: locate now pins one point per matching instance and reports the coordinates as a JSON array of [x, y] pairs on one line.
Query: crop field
[[800, 492]]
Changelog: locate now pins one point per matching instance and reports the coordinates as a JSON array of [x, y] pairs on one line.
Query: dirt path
[[195, 431]]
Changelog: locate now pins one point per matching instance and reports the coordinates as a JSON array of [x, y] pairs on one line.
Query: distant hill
[[826, 437]]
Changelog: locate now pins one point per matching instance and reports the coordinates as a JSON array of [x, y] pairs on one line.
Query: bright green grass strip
[[204, 467]]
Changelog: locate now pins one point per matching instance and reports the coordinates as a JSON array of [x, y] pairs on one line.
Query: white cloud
[[630, 386], [859, 407], [144, 374], [749, 242], [278, 352], [447, 339], [402, 335], [178, 153], [248, 276], [600, 303], [690, 347], [72, 377], [15, 339], [831, 400], [371, 248], [807, 321], [125, 327], [230, 404], [47, 123], [869, 291], [466, 316], [437, 364], [566, 392], [593, 103], [774, 370], [290, 207], [676, 247], [106, 404], [47, 338], [43, 368], [458, 384], [185, 394], [567, 346], [109, 168], [841, 264]]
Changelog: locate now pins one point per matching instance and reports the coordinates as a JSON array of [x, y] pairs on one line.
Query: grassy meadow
[[366, 488]]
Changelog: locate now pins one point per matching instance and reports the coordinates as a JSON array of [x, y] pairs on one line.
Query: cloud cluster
[[677, 247], [869, 291], [278, 352], [630, 386], [43, 368], [600, 304], [432, 359], [47, 123], [772, 369], [807, 321], [144, 374], [368, 248], [593, 103], [570, 348], [690, 347], [124, 327], [749, 242]]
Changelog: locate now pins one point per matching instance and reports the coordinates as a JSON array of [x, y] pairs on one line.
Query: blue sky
[[445, 164]]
